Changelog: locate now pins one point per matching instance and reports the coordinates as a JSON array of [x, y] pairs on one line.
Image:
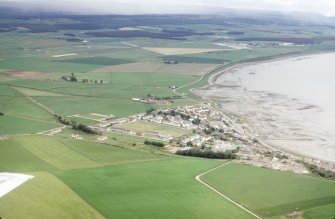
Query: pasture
[[130, 180], [180, 51], [144, 126], [272, 193], [159, 189], [45, 196], [156, 67]]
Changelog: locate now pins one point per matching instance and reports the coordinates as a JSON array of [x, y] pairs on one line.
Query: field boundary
[[36, 103], [198, 178]]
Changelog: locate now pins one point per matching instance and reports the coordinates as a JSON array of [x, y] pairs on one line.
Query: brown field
[[182, 68], [179, 51], [29, 74]]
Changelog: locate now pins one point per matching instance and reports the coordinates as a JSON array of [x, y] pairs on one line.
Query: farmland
[[271, 193], [142, 126], [117, 63]]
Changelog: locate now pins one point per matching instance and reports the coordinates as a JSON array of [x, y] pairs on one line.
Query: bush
[[62, 121], [195, 152], [318, 171], [154, 143], [150, 110], [2, 114], [84, 128]]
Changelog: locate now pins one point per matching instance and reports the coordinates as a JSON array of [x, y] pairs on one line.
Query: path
[[197, 81], [198, 178]]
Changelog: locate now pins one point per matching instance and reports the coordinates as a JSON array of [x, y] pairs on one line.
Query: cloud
[[326, 7]]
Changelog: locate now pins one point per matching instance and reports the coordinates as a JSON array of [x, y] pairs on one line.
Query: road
[[198, 178]]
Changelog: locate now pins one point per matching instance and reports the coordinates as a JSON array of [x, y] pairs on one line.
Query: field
[[179, 51], [35, 199], [143, 67], [272, 193], [155, 181], [161, 189], [143, 126]]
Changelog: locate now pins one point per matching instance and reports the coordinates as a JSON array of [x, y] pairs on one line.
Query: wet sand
[[290, 102]]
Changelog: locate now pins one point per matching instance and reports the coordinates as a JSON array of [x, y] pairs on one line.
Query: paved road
[[198, 178]]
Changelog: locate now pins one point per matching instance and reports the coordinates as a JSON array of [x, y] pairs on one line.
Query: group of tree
[[207, 153], [84, 128], [2, 114], [76, 126], [154, 143], [71, 78], [175, 113], [319, 171], [159, 98], [150, 110]]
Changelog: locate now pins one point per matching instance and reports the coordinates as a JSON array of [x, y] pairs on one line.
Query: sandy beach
[[289, 102]]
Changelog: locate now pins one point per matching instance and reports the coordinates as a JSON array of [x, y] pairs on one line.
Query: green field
[[161, 189], [273, 193], [143, 126], [129, 180], [45, 196]]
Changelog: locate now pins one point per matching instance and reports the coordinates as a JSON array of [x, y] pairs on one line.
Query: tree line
[[207, 153], [75, 126], [154, 143]]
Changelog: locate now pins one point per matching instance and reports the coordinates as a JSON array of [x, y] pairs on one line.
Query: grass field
[[156, 67], [38, 93], [45, 196], [126, 181], [40, 153], [179, 51], [144, 126], [272, 193], [163, 189]]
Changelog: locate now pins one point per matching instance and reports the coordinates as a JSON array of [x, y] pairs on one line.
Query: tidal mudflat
[[290, 102]]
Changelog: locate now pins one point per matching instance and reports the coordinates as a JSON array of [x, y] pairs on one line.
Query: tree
[[150, 110]]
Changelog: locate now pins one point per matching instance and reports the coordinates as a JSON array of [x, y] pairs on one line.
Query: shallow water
[[291, 102]]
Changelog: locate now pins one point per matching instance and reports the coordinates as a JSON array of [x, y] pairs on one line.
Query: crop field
[[38, 93], [45, 196], [150, 176], [180, 51], [161, 189], [144, 67], [143, 126], [273, 193]]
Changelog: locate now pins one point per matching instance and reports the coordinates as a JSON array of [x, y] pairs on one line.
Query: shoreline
[[212, 83]]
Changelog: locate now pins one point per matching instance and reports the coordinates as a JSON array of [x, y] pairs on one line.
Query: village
[[210, 129]]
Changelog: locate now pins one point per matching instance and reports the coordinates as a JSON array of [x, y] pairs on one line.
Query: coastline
[[212, 82]]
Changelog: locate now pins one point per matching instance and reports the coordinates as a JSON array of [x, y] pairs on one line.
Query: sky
[[325, 7]]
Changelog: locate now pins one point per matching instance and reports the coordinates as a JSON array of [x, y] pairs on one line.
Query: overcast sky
[[326, 7]]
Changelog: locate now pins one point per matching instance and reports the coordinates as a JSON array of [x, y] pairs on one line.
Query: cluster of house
[[200, 118], [175, 121], [110, 126], [173, 62], [76, 137], [197, 118]]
